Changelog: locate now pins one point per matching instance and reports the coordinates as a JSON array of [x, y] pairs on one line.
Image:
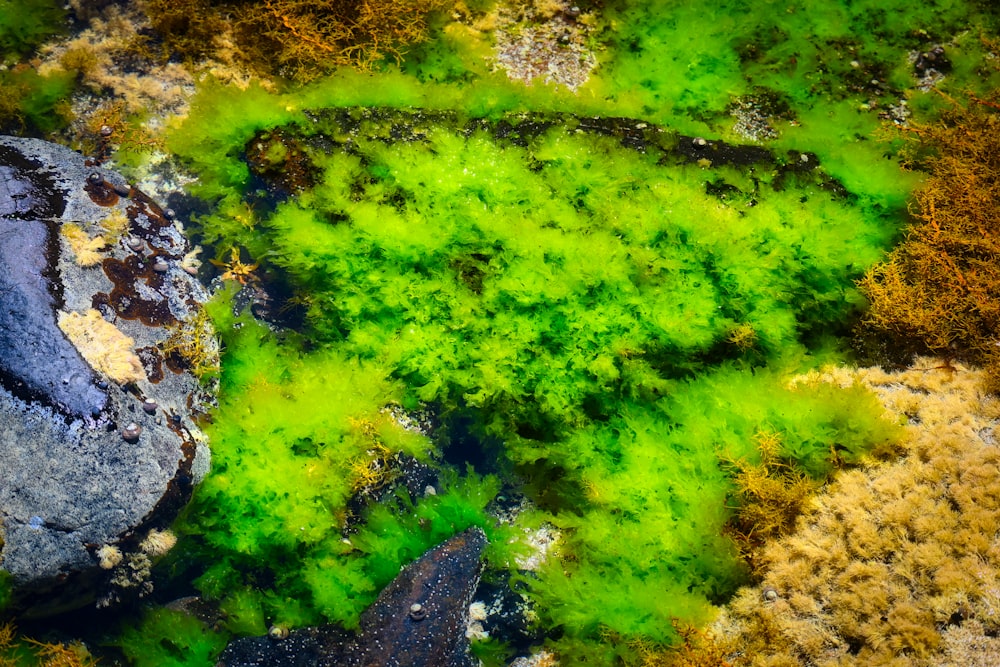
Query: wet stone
[[418, 620], [82, 464]]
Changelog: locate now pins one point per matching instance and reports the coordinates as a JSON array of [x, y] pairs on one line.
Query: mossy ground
[[618, 326]]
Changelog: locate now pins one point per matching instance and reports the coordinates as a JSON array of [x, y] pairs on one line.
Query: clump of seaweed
[[376, 468], [301, 39], [29, 102], [236, 269], [18, 650], [697, 649], [896, 563], [939, 291], [111, 127], [191, 345], [116, 81], [189, 28], [769, 496], [86, 250]]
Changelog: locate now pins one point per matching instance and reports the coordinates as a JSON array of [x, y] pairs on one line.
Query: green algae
[[686, 61], [170, 638], [399, 251], [577, 299], [275, 505], [30, 101], [24, 24], [619, 321]]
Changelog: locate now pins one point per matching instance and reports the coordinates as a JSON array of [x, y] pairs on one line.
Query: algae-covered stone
[[98, 443], [419, 619]]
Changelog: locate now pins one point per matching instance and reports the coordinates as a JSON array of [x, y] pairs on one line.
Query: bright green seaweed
[[591, 308], [616, 328]]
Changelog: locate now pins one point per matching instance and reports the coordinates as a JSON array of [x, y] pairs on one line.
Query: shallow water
[[601, 315]]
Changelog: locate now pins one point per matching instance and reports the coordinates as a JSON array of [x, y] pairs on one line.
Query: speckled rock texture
[[418, 620], [92, 457]]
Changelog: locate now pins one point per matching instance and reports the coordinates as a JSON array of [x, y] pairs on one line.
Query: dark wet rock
[[419, 620], [280, 160], [718, 153], [307, 647], [85, 472], [931, 62], [28, 331], [507, 614]]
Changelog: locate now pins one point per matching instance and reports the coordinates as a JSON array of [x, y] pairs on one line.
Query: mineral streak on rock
[[37, 362], [101, 192], [82, 463], [418, 620]]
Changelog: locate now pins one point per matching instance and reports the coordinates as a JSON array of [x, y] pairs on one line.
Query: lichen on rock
[[104, 347], [85, 248]]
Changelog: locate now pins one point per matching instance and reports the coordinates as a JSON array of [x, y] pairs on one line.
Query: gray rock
[[98, 440]]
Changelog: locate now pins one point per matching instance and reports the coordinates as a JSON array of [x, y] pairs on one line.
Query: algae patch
[[584, 293]]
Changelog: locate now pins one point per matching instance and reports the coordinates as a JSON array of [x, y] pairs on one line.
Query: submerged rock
[[419, 620], [99, 326]]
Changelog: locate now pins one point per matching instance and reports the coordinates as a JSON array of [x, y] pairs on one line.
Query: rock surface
[[418, 620], [98, 322]]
